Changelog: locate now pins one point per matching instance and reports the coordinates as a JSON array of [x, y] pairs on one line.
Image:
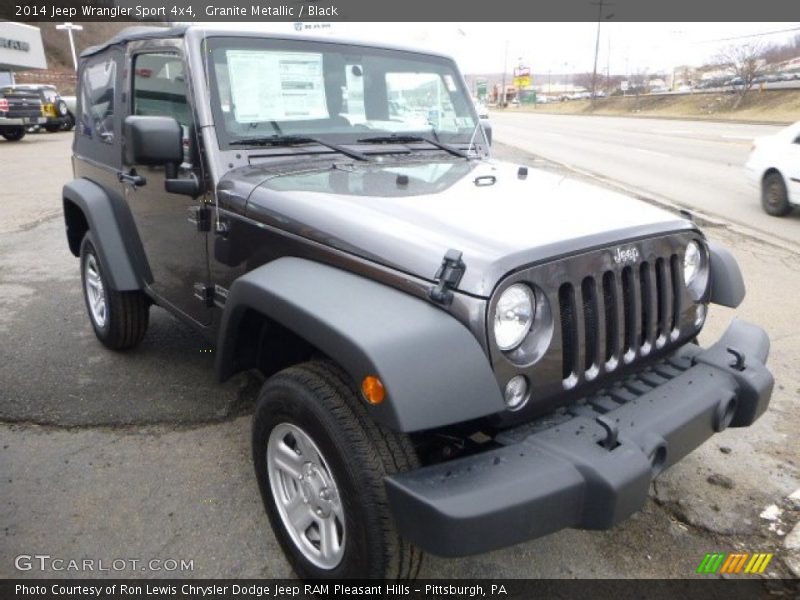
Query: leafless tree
[[583, 80], [745, 62]]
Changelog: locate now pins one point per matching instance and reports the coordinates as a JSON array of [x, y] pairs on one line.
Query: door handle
[[131, 178]]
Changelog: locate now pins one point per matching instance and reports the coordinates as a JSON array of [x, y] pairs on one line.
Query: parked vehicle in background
[[54, 109], [774, 167], [19, 109]]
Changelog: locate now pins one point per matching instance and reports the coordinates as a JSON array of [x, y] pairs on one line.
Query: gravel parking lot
[[142, 455]]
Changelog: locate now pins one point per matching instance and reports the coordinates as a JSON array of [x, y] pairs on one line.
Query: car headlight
[[513, 316], [695, 270]]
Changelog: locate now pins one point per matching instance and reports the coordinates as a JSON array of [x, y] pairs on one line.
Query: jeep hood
[[406, 216]]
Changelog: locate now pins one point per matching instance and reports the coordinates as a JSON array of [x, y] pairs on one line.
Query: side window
[[159, 90], [97, 100], [159, 87]]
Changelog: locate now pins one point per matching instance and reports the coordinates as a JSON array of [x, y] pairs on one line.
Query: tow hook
[[738, 356], [610, 442]]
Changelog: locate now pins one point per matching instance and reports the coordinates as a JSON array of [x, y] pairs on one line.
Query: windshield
[[336, 92]]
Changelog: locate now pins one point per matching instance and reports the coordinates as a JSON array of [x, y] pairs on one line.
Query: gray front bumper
[[566, 471]]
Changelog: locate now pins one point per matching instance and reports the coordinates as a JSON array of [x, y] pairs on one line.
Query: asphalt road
[[696, 164], [142, 455]]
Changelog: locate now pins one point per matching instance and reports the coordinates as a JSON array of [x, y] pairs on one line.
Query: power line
[[741, 37]]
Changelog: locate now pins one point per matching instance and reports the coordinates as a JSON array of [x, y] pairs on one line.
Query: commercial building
[[21, 49]]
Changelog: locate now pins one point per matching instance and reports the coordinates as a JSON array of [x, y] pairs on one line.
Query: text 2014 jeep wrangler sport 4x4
[[458, 354]]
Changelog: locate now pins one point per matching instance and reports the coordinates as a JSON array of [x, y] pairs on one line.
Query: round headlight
[[695, 270], [513, 316]]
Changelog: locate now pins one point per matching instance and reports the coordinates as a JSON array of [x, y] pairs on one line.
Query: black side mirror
[[159, 141], [153, 141], [487, 129]]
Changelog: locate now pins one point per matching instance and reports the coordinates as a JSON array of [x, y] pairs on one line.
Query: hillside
[[60, 71], [56, 42], [769, 106]]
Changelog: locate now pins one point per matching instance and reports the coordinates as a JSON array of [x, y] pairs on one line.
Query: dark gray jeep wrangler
[[458, 354]]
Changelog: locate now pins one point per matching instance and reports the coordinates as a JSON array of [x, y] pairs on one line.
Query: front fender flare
[[434, 371], [107, 230], [727, 283]]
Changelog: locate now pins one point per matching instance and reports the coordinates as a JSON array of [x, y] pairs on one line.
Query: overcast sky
[[560, 47]]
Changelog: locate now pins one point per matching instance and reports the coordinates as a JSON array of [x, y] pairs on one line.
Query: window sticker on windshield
[[448, 81], [276, 86]]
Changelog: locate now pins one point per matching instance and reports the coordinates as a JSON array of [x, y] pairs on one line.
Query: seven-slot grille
[[614, 316]]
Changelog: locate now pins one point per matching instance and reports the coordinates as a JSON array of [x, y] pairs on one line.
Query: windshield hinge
[[200, 217], [204, 293], [448, 277]]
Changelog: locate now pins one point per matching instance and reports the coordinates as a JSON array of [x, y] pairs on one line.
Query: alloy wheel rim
[[774, 195], [95, 292], [306, 495]]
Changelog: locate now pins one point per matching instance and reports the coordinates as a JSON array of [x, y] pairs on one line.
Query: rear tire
[[774, 197], [312, 410], [13, 134], [119, 319]]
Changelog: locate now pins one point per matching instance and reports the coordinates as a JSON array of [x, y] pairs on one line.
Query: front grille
[[600, 314], [639, 305]]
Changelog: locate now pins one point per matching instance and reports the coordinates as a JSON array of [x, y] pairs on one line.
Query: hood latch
[[447, 277]]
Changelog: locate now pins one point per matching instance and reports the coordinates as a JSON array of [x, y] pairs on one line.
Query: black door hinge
[[447, 277], [200, 216], [204, 293]]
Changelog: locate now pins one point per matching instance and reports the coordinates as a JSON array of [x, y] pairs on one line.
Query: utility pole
[[505, 68], [69, 28], [599, 6]]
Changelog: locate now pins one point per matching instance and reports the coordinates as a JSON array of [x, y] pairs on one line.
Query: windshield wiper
[[293, 140], [407, 139]]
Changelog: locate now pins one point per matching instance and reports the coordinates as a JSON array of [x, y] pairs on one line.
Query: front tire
[[320, 461], [69, 123], [774, 197], [119, 319], [53, 127]]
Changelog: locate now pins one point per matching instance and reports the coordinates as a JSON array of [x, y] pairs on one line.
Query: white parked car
[[774, 166]]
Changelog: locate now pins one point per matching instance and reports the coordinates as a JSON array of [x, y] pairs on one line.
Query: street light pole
[[69, 28], [505, 68], [599, 5]]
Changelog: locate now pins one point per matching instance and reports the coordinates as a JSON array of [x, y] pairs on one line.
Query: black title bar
[[398, 10]]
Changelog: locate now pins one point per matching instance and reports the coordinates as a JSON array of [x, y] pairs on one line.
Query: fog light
[[699, 315], [516, 392]]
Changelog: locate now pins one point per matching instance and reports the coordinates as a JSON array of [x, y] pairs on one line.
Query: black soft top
[[138, 32]]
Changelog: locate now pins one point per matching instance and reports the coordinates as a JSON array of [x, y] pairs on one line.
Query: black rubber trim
[[561, 472], [434, 370]]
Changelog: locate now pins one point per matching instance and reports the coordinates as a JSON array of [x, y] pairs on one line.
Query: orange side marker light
[[373, 390]]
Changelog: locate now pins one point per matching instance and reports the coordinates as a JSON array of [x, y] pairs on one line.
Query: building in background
[[21, 49]]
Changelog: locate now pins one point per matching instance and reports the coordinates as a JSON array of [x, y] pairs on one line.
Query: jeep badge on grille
[[624, 256]]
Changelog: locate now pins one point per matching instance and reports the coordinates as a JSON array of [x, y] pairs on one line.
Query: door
[[175, 249]]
